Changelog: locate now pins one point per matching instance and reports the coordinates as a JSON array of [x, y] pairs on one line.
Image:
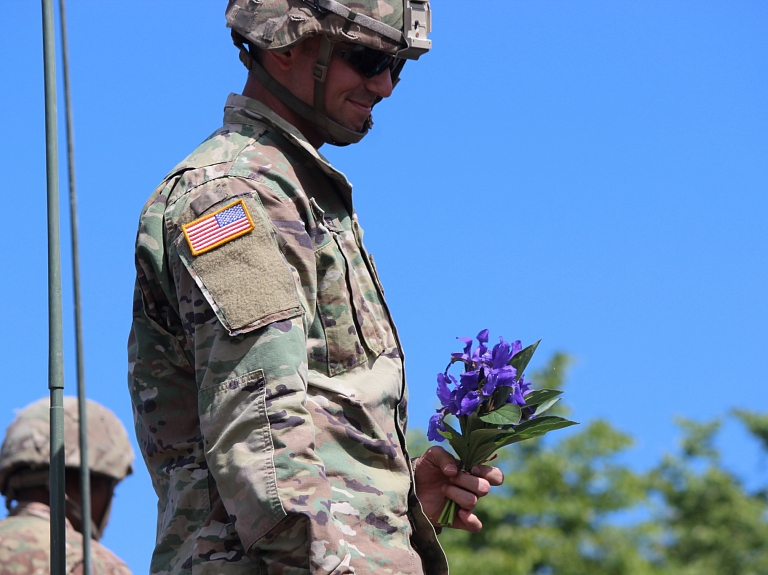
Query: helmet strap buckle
[[319, 72]]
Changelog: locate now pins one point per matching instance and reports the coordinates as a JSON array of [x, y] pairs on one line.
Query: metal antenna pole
[[85, 476], [55, 348]]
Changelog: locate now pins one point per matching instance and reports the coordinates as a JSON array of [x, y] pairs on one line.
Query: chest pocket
[[348, 303]]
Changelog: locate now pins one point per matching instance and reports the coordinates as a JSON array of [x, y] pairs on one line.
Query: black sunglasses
[[367, 61]]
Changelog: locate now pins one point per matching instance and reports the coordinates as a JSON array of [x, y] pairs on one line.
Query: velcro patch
[[218, 228]]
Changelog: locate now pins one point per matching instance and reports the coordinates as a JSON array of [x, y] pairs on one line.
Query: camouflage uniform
[[266, 375], [25, 545]]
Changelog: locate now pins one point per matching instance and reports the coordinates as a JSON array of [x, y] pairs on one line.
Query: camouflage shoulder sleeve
[[24, 546], [25, 550], [104, 562], [200, 341]]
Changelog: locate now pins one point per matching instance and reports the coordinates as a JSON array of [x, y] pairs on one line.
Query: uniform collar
[[34, 509], [243, 110]]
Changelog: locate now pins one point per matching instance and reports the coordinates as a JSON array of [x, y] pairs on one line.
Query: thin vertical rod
[[55, 339], [85, 476]]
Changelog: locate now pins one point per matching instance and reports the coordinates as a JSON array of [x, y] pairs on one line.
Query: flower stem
[[448, 514]]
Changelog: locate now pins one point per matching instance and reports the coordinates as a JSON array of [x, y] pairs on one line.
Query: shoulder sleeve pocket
[[245, 279]]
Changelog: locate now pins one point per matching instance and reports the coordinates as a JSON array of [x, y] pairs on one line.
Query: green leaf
[[501, 395], [508, 414], [483, 454], [540, 396], [474, 422], [457, 441], [538, 422], [483, 443], [540, 426], [483, 436], [542, 407], [520, 360]]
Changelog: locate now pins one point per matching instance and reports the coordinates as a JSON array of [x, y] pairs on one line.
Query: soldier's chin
[[353, 122]]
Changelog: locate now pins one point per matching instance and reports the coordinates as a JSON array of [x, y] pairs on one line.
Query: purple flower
[[504, 376], [469, 380], [513, 394], [435, 424], [457, 396], [519, 391], [469, 403], [485, 371], [489, 387], [481, 353], [465, 356], [487, 375], [525, 386], [501, 354], [516, 397], [443, 391], [500, 374]]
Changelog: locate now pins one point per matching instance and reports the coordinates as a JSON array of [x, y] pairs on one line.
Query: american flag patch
[[218, 228]]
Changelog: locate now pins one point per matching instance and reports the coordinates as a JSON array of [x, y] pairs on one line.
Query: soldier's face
[[349, 96]]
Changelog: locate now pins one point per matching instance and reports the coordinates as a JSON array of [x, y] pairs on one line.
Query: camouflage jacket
[[266, 375], [25, 545]]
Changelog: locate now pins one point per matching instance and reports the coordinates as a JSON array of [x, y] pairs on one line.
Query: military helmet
[[397, 27], [26, 448]]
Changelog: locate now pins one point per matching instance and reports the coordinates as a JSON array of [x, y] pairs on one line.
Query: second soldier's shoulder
[[107, 563], [24, 544], [18, 524]]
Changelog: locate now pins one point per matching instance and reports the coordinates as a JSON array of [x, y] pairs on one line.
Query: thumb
[[443, 460]]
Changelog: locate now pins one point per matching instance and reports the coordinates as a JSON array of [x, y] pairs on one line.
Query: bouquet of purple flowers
[[493, 403]]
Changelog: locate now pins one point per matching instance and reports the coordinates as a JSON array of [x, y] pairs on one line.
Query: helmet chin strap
[[330, 131]]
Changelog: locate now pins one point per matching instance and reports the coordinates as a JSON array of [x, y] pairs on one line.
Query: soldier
[[265, 370], [24, 476]]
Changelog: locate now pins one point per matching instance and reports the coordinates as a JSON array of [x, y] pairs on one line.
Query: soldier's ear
[[288, 59], [283, 60]]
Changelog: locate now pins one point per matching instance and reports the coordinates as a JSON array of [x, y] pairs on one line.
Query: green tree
[[710, 524], [568, 506]]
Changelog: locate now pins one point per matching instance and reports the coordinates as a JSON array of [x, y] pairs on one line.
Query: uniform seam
[[185, 194], [254, 375], [184, 167], [271, 480]]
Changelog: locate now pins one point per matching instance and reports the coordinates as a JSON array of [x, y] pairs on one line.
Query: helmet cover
[[27, 441], [279, 24]]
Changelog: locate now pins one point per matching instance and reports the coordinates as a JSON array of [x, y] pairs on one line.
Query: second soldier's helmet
[[398, 28], [25, 454]]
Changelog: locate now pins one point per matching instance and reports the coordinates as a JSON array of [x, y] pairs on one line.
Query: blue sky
[[591, 173]]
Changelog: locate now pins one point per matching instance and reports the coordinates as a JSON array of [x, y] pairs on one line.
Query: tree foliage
[[573, 507]]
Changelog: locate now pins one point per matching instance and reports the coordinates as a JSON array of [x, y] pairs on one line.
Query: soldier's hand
[[438, 477]]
